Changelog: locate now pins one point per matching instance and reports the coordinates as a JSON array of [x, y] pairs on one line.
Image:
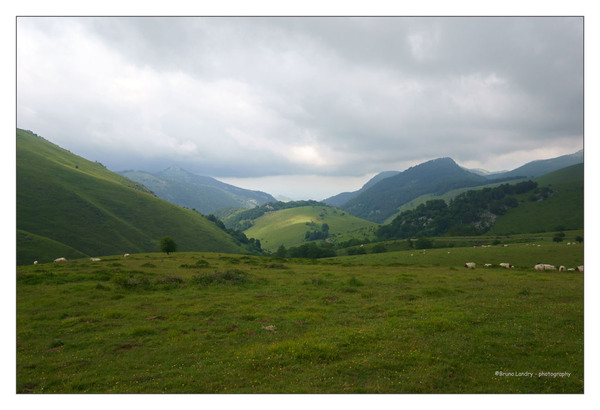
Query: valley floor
[[399, 322]]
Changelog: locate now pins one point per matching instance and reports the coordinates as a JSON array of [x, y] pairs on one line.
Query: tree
[[423, 243], [281, 252], [167, 244]]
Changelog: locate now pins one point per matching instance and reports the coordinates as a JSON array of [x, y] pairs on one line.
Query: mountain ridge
[[536, 168], [382, 199], [202, 193]]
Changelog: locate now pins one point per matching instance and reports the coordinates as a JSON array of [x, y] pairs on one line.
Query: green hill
[[288, 227], [564, 208], [69, 206]]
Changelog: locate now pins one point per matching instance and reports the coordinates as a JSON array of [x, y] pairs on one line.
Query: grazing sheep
[[35, 262], [580, 268], [561, 268], [543, 266], [470, 265], [126, 255], [506, 265], [571, 269], [487, 265], [60, 260], [95, 259]]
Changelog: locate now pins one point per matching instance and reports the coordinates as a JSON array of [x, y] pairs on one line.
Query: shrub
[[230, 277], [354, 282], [199, 264], [55, 343], [379, 248], [356, 251], [169, 279], [132, 282], [423, 243]]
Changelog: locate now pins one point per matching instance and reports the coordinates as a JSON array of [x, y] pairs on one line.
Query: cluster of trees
[[310, 250], [316, 234], [251, 243], [470, 213]]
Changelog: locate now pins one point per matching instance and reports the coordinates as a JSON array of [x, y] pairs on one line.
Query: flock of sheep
[[58, 260], [539, 266], [468, 265]]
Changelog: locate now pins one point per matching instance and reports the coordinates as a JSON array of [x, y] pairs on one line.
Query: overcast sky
[[302, 107]]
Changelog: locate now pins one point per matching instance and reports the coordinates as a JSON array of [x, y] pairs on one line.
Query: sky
[[304, 107]]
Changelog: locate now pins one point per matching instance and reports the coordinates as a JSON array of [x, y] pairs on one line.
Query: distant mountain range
[[381, 197], [341, 199], [204, 194]]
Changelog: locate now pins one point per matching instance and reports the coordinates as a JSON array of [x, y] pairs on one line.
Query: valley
[[295, 297], [398, 322]]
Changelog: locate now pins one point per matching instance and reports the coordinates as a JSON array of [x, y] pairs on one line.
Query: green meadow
[[288, 226], [397, 322]]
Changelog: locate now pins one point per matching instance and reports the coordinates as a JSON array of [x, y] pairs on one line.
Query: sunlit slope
[[79, 203], [288, 226], [563, 209]]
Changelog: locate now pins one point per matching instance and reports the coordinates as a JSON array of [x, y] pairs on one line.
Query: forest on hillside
[[470, 213]]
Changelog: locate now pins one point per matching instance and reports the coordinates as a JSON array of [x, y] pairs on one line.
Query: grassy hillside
[[288, 226], [399, 322], [564, 208], [67, 199]]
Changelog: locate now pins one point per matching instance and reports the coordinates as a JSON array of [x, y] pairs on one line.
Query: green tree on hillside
[[281, 252], [167, 245]]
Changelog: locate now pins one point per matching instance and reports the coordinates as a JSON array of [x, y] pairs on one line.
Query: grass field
[[288, 226], [385, 323]]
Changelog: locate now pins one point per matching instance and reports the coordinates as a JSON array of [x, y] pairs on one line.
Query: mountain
[[383, 198], [485, 173], [541, 167], [204, 194], [70, 207], [340, 199], [553, 202]]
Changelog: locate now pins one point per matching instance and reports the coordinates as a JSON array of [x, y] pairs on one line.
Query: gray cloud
[[252, 97]]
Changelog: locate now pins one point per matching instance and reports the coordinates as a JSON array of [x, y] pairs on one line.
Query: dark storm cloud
[[238, 97]]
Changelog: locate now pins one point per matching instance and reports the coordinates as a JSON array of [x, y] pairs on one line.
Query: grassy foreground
[[386, 323]]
